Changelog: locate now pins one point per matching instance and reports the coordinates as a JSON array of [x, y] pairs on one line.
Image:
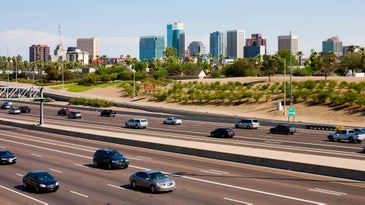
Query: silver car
[[153, 180], [136, 123], [248, 123]]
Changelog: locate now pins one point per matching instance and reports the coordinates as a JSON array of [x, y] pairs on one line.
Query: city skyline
[[119, 24]]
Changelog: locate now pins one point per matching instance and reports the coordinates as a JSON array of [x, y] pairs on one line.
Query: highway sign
[[291, 111]]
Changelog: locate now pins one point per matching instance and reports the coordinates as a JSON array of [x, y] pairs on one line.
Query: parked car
[[7, 105], [283, 129], [7, 157], [248, 123], [24, 109], [136, 123], [14, 110], [153, 180], [224, 132], [110, 158], [40, 181], [108, 113], [172, 121], [346, 134], [64, 111], [74, 115], [359, 130]]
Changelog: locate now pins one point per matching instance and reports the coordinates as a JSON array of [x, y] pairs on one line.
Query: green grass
[[82, 88]]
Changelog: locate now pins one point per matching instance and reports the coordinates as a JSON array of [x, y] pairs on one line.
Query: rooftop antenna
[[59, 30]]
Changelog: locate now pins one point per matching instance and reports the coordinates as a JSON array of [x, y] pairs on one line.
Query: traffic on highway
[[194, 180]]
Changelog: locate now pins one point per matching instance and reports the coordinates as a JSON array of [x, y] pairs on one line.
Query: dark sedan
[[40, 181], [283, 129], [7, 157], [108, 113], [109, 158], [24, 109], [225, 132]]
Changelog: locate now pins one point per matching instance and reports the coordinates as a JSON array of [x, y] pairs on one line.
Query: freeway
[[199, 180], [197, 128]]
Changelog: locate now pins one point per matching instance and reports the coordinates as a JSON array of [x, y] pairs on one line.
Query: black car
[[108, 113], [74, 115], [40, 181], [24, 109], [7, 157], [109, 158], [225, 132], [6, 105], [64, 111], [283, 129]]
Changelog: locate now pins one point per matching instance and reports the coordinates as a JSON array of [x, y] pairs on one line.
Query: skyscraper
[[196, 47], [334, 45], [91, 45], [39, 53], [218, 44], [235, 43], [288, 42], [256, 45], [176, 37], [151, 47]]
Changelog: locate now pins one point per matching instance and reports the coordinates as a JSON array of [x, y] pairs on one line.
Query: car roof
[[37, 172], [150, 171]]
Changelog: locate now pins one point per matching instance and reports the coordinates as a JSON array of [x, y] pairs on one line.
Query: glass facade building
[[151, 47], [333, 45], [218, 44]]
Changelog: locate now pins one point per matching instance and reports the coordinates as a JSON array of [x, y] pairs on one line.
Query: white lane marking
[[21, 194], [142, 157], [21, 175], [115, 186], [55, 170], [210, 172], [37, 155], [77, 193], [234, 200], [219, 171], [325, 191], [80, 165]]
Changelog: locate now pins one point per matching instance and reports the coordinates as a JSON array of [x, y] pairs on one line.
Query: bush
[[90, 102]]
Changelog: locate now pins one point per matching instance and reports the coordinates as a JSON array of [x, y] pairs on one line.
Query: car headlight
[[115, 161], [42, 185], [56, 184], [4, 159]]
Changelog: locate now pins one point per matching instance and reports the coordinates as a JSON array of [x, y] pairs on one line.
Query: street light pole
[[16, 71], [134, 84], [63, 78], [291, 74], [284, 87]]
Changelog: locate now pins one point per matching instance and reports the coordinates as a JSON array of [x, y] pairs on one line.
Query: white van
[[136, 123], [248, 123]]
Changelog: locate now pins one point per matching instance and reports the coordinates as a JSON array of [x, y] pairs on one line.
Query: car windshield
[[114, 153], [43, 176], [5, 153], [157, 176]]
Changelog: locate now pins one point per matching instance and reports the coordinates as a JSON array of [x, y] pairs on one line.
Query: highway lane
[[195, 128], [199, 180]]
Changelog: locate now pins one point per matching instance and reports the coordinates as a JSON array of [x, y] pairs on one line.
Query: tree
[[170, 51], [269, 65], [300, 55], [330, 63]]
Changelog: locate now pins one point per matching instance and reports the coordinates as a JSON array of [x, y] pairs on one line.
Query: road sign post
[[291, 113]]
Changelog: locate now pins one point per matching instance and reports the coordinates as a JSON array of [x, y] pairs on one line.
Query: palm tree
[[300, 55], [221, 59]]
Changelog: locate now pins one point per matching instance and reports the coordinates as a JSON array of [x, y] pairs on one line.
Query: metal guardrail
[[322, 127]]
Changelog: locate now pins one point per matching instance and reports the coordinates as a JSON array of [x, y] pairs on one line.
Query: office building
[[218, 44], [256, 45], [288, 42], [235, 44], [196, 48], [151, 47], [90, 45], [59, 54], [39, 53], [176, 38], [334, 45]]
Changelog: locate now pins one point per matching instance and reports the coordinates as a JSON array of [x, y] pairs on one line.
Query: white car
[[136, 123], [14, 110], [172, 121]]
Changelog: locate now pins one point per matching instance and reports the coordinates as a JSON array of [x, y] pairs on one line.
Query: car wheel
[[134, 184], [136, 126], [236, 126], [153, 189], [96, 164], [37, 189], [110, 166], [330, 138], [351, 140], [25, 186], [223, 136]]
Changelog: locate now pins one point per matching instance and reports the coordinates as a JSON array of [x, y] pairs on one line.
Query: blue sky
[[118, 24]]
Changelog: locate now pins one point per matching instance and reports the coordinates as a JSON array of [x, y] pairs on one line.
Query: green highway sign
[[291, 112]]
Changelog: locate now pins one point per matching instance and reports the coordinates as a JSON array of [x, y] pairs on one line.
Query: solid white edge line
[[26, 196], [115, 186], [55, 170]]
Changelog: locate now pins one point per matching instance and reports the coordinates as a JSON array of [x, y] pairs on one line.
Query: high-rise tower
[[235, 43]]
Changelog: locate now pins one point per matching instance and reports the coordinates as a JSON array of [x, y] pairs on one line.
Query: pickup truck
[[346, 134], [172, 121]]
